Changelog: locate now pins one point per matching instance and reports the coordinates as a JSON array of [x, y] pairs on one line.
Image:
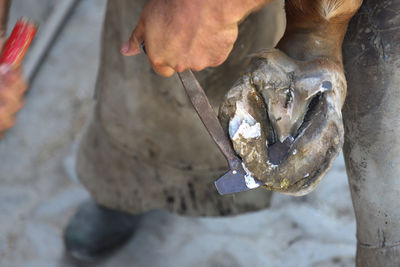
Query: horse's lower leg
[[284, 115], [372, 137]]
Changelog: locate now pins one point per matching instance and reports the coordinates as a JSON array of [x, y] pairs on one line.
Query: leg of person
[[372, 138], [95, 231], [145, 148]]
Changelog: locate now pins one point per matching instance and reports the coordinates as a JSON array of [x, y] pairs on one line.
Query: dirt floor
[[39, 192]]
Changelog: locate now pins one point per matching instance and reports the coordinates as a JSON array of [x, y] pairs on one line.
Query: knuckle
[[157, 62], [218, 60], [180, 67], [168, 73], [229, 36], [198, 67], [164, 71], [230, 39]]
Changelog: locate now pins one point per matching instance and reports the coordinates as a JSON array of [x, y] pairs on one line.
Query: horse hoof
[[284, 120]]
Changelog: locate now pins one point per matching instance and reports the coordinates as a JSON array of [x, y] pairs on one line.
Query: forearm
[[219, 12], [316, 28], [238, 9]]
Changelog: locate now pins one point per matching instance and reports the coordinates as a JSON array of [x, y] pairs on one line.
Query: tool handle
[[207, 115], [18, 43]]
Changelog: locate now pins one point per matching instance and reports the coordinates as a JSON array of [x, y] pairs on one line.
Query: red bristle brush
[[18, 43]]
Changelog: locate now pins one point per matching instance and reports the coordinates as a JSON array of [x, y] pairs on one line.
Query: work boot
[[96, 231]]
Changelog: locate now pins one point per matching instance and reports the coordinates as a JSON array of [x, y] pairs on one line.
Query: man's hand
[[12, 83], [12, 88], [183, 34]]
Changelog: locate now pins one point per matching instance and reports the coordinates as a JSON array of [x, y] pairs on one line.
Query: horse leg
[[372, 139], [291, 99]]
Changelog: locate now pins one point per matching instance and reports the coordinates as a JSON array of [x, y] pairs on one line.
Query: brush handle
[[18, 43]]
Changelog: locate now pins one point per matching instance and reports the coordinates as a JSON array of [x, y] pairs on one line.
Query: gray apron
[[145, 148]]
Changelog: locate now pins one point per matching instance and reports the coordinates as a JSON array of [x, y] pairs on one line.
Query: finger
[[163, 70], [10, 104], [5, 69], [12, 80], [6, 122], [14, 107], [20, 85], [7, 125], [132, 46]]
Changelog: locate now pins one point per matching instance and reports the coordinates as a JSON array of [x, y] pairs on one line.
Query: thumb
[[132, 46]]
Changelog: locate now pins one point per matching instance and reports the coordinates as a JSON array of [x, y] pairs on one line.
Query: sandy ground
[[37, 194]]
